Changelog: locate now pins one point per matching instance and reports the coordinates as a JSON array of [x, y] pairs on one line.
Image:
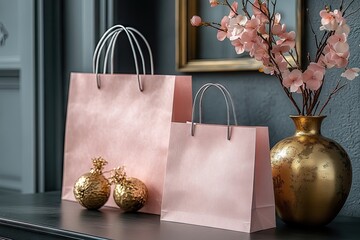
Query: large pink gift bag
[[219, 175], [123, 118]]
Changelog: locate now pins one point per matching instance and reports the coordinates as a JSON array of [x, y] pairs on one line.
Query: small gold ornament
[[130, 194], [92, 190]]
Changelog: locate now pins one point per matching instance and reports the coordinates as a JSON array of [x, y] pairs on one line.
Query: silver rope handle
[[112, 47], [227, 98], [112, 34], [228, 95]]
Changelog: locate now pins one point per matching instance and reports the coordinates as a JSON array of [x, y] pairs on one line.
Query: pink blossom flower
[[250, 42], [341, 49], [337, 51], [236, 27], [196, 21], [239, 47], [339, 17], [335, 59], [281, 48], [267, 69], [252, 26], [213, 3], [270, 68], [292, 80], [263, 30], [316, 67], [277, 18], [332, 59], [233, 10], [281, 63], [261, 53], [343, 29], [261, 11], [351, 73], [287, 39], [336, 38], [332, 20], [328, 21], [313, 76], [221, 34], [278, 28]]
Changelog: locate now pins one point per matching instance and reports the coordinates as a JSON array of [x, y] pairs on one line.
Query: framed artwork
[[198, 50]]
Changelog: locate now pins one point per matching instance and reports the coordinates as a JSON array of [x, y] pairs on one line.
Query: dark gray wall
[[343, 123], [259, 99]]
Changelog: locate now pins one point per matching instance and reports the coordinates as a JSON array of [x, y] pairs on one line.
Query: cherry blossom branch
[[288, 93], [310, 99], [244, 4], [305, 99], [274, 9], [291, 54], [353, 12], [295, 58], [317, 106], [287, 61], [259, 8], [314, 101], [276, 48], [233, 10], [341, 5], [312, 28], [270, 21], [208, 24], [347, 6], [336, 89], [323, 44]]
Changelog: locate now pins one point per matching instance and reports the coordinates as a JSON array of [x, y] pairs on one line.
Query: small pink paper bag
[[218, 181]]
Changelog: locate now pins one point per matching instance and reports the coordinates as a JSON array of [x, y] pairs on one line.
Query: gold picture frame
[[186, 43]]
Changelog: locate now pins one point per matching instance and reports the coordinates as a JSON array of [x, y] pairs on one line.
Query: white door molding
[[27, 94]]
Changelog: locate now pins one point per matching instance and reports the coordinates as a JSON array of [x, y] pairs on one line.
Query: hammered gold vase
[[312, 175]]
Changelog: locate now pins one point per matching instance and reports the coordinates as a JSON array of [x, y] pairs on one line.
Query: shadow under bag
[[124, 118], [219, 175]]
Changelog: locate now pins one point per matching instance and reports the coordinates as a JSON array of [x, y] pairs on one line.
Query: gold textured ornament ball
[[92, 190], [130, 195]]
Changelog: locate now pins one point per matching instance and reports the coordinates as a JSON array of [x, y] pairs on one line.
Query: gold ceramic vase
[[312, 175]]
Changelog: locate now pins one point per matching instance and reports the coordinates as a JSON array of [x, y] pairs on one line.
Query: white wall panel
[[10, 131], [9, 51], [18, 96]]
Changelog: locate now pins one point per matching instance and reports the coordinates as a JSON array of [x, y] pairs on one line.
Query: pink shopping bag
[[219, 175], [125, 119]]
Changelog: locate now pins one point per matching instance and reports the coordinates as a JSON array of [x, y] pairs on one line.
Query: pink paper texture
[[124, 126]]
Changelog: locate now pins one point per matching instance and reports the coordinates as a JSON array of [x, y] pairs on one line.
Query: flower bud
[[196, 21], [213, 3]]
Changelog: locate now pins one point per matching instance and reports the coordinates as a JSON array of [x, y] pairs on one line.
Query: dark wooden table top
[[45, 216]]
